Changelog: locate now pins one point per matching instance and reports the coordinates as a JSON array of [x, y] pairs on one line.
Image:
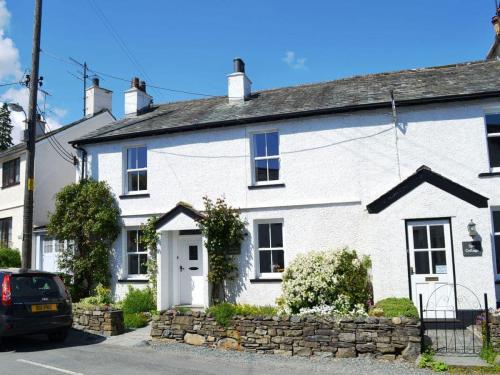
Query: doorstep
[[190, 307], [462, 361]]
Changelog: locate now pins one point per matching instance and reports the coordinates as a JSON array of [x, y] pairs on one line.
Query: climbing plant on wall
[[224, 231]]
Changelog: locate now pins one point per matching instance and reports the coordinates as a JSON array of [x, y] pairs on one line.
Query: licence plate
[[44, 308]]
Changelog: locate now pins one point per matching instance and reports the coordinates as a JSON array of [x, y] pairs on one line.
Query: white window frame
[[127, 191], [268, 275], [256, 158], [496, 232], [55, 245], [490, 112], [141, 276]]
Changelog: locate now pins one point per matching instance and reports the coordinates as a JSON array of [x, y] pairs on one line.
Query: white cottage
[[316, 166], [54, 168]]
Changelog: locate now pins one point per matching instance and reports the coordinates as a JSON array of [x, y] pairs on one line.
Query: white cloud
[[293, 61], [10, 71]]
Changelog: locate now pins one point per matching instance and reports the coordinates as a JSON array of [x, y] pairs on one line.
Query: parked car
[[34, 302]]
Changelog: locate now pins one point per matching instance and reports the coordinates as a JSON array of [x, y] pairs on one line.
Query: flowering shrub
[[336, 281]]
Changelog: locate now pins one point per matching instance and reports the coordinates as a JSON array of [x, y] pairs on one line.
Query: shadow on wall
[[116, 261], [244, 260]]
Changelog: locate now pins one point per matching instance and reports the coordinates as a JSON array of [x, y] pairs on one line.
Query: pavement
[[85, 354]]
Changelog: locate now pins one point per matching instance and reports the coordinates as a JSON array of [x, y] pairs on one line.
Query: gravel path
[[253, 363]]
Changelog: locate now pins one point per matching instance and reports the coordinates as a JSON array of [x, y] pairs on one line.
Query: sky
[[189, 45]]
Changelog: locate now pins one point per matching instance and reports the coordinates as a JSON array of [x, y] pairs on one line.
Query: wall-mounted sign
[[472, 249]]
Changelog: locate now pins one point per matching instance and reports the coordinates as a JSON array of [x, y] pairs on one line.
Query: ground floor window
[[496, 230], [6, 232], [270, 248], [137, 255]]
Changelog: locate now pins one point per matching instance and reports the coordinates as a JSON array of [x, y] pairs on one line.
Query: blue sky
[[189, 45]]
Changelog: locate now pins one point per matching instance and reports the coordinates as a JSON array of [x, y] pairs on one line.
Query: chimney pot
[[496, 25], [239, 65], [143, 86], [95, 82], [135, 82]]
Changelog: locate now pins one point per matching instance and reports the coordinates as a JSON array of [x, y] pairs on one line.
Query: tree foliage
[[224, 231], [149, 240], [86, 214], [5, 128]]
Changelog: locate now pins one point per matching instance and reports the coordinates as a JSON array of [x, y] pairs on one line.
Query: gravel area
[[255, 363]]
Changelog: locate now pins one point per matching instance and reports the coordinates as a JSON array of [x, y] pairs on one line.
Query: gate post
[[422, 328], [487, 315]]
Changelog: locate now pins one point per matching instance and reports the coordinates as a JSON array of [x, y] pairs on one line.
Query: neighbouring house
[[54, 168], [401, 166]]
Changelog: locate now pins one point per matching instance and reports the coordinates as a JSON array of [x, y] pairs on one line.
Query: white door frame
[[438, 283]]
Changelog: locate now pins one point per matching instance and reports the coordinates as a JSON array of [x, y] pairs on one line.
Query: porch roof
[[180, 208], [425, 174]]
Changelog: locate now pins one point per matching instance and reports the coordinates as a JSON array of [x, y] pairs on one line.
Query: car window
[[34, 286]]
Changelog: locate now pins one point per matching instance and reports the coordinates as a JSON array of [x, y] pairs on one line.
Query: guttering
[[84, 159], [286, 116]]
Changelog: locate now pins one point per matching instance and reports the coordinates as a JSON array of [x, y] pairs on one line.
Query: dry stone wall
[[98, 320], [300, 336], [495, 331]]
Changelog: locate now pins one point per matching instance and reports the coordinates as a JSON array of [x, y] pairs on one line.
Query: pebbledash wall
[[300, 336], [332, 167]]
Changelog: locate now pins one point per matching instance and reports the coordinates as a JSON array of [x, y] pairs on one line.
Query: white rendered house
[[53, 170], [315, 166]]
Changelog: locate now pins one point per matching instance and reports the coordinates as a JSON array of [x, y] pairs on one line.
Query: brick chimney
[[97, 99], [239, 87], [136, 98]]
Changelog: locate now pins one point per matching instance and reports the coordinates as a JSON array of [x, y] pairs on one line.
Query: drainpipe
[[84, 160]]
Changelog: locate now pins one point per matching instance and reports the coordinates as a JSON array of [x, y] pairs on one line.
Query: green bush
[[135, 320], [395, 307], [335, 280], [138, 300], [9, 258], [224, 312], [100, 297]]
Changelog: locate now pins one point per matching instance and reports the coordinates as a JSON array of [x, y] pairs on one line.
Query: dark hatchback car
[[34, 302]]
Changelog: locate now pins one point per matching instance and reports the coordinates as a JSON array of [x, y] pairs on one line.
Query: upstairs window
[[10, 172], [137, 255], [6, 232], [266, 157], [137, 169], [271, 253], [493, 132]]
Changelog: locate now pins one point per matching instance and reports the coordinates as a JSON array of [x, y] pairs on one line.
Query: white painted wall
[[332, 166], [51, 174]]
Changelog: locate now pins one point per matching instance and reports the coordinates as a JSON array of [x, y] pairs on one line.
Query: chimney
[[40, 130], [238, 85], [97, 99], [136, 98], [494, 53]]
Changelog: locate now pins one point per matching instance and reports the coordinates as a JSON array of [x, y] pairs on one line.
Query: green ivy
[[86, 214], [150, 239], [224, 231]]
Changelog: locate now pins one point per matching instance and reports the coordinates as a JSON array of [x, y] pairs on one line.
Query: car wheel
[[58, 336]]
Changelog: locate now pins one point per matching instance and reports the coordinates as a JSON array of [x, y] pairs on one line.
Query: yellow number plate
[[43, 308]]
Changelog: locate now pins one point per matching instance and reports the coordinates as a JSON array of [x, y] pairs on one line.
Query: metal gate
[[461, 328]]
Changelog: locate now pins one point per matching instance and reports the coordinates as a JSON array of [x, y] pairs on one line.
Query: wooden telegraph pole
[[32, 121]]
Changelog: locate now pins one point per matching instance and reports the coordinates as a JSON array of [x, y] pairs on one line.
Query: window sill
[[264, 280], [11, 185], [266, 186], [132, 196], [488, 174], [133, 281]]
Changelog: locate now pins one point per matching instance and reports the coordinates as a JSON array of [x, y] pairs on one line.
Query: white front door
[[49, 254], [190, 270], [431, 267]]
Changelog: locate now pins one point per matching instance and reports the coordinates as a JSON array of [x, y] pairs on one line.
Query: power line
[[118, 39], [112, 76], [9, 84]]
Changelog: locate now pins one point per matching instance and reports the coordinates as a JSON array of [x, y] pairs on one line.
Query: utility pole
[[32, 120], [85, 68]]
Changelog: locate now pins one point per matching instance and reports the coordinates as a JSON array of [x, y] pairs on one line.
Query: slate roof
[[22, 146], [445, 83]]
